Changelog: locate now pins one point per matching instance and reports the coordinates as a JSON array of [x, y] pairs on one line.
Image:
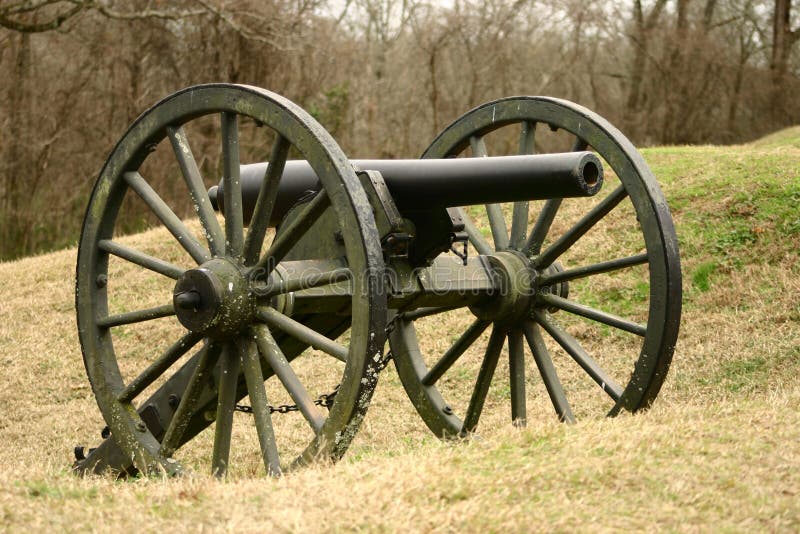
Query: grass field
[[719, 450]]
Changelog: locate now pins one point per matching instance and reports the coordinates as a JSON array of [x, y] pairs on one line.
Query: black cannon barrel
[[420, 184]]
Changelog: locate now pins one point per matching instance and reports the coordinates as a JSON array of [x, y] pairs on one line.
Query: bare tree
[[431, 35], [643, 25], [783, 39], [34, 16], [384, 76]]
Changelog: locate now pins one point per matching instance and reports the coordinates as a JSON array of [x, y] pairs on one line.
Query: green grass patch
[[782, 139], [52, 490], [733, 207], [717, 451], [701, 277], [737, 375]]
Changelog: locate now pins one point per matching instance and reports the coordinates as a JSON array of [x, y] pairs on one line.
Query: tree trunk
[[19, 154], [733, 107], [434, 94], [643, 25], [783, 38], [708, 14], [639, 57]]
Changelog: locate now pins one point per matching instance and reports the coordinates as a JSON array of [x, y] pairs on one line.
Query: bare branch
[[77, 6], [226, 17], [793, 37], [36, 27], [27, 6], [148, 13], [343, 14]]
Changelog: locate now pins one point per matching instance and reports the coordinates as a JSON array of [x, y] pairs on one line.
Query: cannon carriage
[[364, 252]]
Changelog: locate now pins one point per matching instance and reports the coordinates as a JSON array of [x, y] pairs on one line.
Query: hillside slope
[[720, 450]]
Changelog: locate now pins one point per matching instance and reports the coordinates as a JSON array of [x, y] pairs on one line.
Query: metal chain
[[325, 400]]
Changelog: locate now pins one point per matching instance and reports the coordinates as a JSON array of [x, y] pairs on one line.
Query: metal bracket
[[396, 233], [463, 255]]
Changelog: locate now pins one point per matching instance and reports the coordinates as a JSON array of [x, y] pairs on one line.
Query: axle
[[423, 184]]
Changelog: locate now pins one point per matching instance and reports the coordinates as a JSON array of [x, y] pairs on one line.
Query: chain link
[[325, 400]]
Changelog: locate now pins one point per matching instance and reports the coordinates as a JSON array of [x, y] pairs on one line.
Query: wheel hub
[[514, 279], [517, 283], [559, 289], [214, 298]]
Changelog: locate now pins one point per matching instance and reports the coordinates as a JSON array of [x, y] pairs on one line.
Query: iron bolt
[[173, 401], [188, 300], [140, 426], [447, 410], [102, 280]]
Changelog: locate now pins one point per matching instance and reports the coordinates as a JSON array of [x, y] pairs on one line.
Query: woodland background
[[383, 76]]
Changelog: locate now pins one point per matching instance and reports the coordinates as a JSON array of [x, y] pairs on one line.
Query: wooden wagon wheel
[[228, 300], [563, 312]]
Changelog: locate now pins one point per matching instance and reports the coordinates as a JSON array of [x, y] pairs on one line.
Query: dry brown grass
[[720, 450]]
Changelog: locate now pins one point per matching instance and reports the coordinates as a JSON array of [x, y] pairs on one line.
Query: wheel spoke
[[542, 226], [266, 200], [485, 375], [202, 204], [273, 355], [476, 237], [307, 282], [478, 146], [548, 372], [519, 223], [579, 145], [158, 367], [581, 227], [206, 360], [593, 314], [292, 233], [226, 403], [527, 138], [493, 211], [303, 333], [589, 270], [548, 214], [232, 191], [258, 400], [140, 258], [454, 353], [574, 349], [498, 225], [516, 369], [167, 216], [137, 316], [519, 217]]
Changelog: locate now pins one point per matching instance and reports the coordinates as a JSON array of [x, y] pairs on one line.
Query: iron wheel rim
[[656, 227], [345, 196]]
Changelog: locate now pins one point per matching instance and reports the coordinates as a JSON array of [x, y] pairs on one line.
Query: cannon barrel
[[421, 184]]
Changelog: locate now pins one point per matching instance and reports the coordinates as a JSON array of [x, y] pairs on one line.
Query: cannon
[[285, 280]]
